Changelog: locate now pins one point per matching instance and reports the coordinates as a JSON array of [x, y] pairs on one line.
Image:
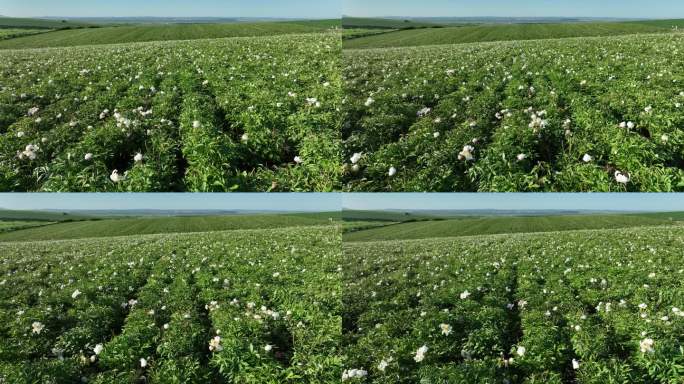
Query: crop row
[[257, 306], [251, 114], [576, 307], [585, 114]]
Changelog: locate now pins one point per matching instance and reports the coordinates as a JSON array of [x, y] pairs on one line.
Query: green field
[[141, 33], [15, 22], [586, 307], [256, 306], [9, 226], [378, 23], [14, 215], [10, 33], [485, 33], [212, 115], [156, 225], [499, 225]]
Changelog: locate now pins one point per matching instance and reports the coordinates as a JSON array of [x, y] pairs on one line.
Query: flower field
[[598, 306], [238, 114], [580, 114], [252, 306]]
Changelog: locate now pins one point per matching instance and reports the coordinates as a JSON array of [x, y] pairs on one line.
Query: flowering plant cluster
[[248, 114], [240, 306], [600, 306], [585, 114]]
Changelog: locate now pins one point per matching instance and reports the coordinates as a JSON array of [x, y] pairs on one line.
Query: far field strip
[[149, 33], [148, 226], [495, 226], [490, 33]]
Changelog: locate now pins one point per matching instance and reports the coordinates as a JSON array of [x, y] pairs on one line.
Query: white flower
[[621, 177], [435, 135], [521, 157], [356, 157], [143, 362], [630, 125], [643, 306], [520, 351], [115, 177], [268, 347], [29, 152], [88, 156], [392, 171], [587, 158], [20, 134], [33, 111], [196, 124], [166, 326], [664, 138], [244, 137], [583, 82], [646, 345], [575, 364], [648, 109], [464, 295], [298, 160], [98, 348], [369, 102], [420, 354], [37, 327], [467, 153], [350, 374], [446, 329], [138, 157], [424, 112], [76, 294], [384, 364], [215, 344]]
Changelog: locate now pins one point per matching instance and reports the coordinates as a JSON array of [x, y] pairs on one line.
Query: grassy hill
[[370, 23], [155, 32], [391, 216], [498, 225], [13, 215], [15, 22], [485, 33], [155, 225]]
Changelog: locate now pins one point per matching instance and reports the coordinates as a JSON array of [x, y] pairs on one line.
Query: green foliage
[[578, 306], [150, 32], [249, 114], [588, 114], [497, 32], [469, 226], [152, 225], [145, 308]]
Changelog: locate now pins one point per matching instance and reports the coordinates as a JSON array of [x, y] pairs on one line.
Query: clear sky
[[517, 8], [313, 9], [321, 202], [512, 201]]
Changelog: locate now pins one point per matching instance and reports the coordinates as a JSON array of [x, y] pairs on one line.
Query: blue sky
[[334, 201], [517, 8], [512, 201], [173, 8], [323, 202]]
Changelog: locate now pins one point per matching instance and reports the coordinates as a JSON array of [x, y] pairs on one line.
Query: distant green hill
[[13, 215], [369, 23], [14, 22], [499, 32], [497, 225], [158, 32], [153, 225], [353, 215]]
